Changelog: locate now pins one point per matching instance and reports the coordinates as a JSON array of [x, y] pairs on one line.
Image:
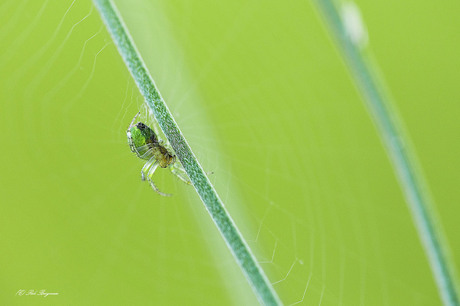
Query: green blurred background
[[262, 95]]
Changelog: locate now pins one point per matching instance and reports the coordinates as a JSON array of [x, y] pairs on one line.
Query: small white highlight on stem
[[353, 24]]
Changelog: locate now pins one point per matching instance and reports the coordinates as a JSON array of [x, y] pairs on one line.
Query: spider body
[[145, 143]]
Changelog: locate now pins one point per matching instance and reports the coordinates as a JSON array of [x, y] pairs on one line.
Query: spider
[[145, 143]]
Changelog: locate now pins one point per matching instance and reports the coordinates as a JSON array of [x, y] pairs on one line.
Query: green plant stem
[[239, 248], [397, 148]]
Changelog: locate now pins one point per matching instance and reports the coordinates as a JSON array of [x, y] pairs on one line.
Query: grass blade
[[239, 248], [397, 148]]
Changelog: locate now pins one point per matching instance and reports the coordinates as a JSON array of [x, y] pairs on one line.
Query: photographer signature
[[42, 292]]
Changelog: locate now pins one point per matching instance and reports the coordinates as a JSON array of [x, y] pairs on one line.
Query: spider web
[[269, 108]]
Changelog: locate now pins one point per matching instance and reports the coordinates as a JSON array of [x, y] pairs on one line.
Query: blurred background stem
[[350, 38]]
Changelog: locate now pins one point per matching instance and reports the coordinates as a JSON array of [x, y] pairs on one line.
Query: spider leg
[[134, 119], [179, 171], [128, 133], [153, 167], [146, 153], [146, 167]]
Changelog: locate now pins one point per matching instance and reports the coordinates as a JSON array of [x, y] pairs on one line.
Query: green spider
[[145, 143]]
